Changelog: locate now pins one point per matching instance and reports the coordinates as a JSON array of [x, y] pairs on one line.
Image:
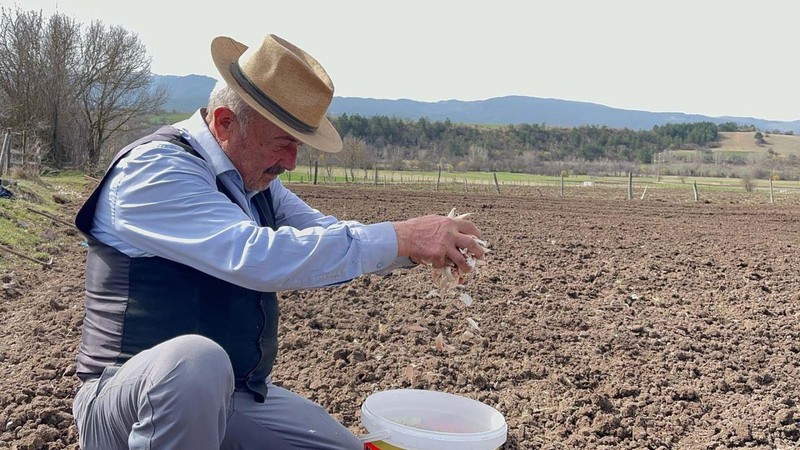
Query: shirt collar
[[195, 130]]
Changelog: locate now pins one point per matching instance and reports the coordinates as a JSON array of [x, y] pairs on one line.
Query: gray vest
[[133, 304]]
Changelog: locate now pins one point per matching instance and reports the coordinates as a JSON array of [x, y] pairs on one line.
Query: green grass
[[72, 180], [302, 173], [16, 225], [33, 234]]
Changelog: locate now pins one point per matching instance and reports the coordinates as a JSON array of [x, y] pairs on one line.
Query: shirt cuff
[[378, 244]]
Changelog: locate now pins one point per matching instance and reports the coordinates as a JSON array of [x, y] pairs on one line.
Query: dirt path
[[648, 324]]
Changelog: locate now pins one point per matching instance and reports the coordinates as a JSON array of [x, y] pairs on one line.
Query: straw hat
[[284, 84]]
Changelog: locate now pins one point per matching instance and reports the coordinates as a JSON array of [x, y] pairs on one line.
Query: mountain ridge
[[190, 92]]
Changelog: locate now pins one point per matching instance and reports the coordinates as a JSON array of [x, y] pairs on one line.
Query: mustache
[[277, 169]]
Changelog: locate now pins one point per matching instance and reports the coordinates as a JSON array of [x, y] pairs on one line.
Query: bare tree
[[20, 69], [114, 84], [60, 54], [354, 155], [73, 90], [38, 60]]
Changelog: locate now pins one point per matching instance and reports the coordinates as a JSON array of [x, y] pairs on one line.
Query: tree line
[[71, 86], [399, 143]]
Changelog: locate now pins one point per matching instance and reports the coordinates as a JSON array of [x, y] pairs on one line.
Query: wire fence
[[630, 187]]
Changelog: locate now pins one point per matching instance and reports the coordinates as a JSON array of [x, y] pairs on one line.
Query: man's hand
[[436, 240]]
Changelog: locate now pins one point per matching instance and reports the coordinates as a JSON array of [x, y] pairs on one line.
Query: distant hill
[[191, 92], [533, 110]]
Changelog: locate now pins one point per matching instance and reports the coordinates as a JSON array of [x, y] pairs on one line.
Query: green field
[[304, 174]]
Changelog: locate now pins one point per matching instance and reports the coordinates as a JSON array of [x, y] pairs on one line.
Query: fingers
[[454, 255], [437, 240], [467, 227], [469, 243], [463, 237]]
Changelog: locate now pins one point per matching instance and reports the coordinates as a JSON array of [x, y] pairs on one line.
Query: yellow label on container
[[380, 445]]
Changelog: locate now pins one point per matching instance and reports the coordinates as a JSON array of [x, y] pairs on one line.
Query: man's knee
[[200, 359]]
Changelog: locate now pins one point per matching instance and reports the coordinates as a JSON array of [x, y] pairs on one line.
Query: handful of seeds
[[450, 280]]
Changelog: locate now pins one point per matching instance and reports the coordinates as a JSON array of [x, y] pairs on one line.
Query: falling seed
[[439, 341], [447, 279], [441, 345], [408, 373], [473, 324], [433, 293], [481, 242]]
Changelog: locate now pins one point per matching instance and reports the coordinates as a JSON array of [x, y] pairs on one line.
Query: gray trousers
[[180, 395]]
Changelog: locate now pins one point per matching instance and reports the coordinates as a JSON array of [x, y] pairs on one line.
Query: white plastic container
[[413, 419]]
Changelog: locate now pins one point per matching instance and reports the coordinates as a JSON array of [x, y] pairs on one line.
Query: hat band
[[262, 99]]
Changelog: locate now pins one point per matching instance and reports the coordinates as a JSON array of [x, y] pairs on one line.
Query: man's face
[[261, 153]]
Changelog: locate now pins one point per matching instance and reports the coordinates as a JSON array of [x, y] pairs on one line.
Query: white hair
[[223, 95]]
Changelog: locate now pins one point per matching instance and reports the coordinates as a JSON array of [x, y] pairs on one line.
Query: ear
[[222, 120]]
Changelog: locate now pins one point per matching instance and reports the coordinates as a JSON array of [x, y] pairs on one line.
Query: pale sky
[[711, 57]]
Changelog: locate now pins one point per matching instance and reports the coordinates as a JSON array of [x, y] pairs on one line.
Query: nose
[[289, 160]]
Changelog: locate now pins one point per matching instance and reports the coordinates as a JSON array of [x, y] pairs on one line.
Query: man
[[190, 235]]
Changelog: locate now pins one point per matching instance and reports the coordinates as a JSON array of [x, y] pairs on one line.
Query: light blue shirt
[[162, 201]]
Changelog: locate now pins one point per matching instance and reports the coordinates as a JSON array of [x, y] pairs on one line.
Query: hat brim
[[224, 51]]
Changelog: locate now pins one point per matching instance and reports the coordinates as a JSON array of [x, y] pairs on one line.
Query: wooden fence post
[[5, 152], [771, 198], [496, 184], [439, 178], [376, 174], [24, 144], [643, 193], [630, 186], [561, 189], [315, 171], [694, 188]]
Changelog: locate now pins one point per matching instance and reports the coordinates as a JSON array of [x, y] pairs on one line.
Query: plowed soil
[[604, 323]]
